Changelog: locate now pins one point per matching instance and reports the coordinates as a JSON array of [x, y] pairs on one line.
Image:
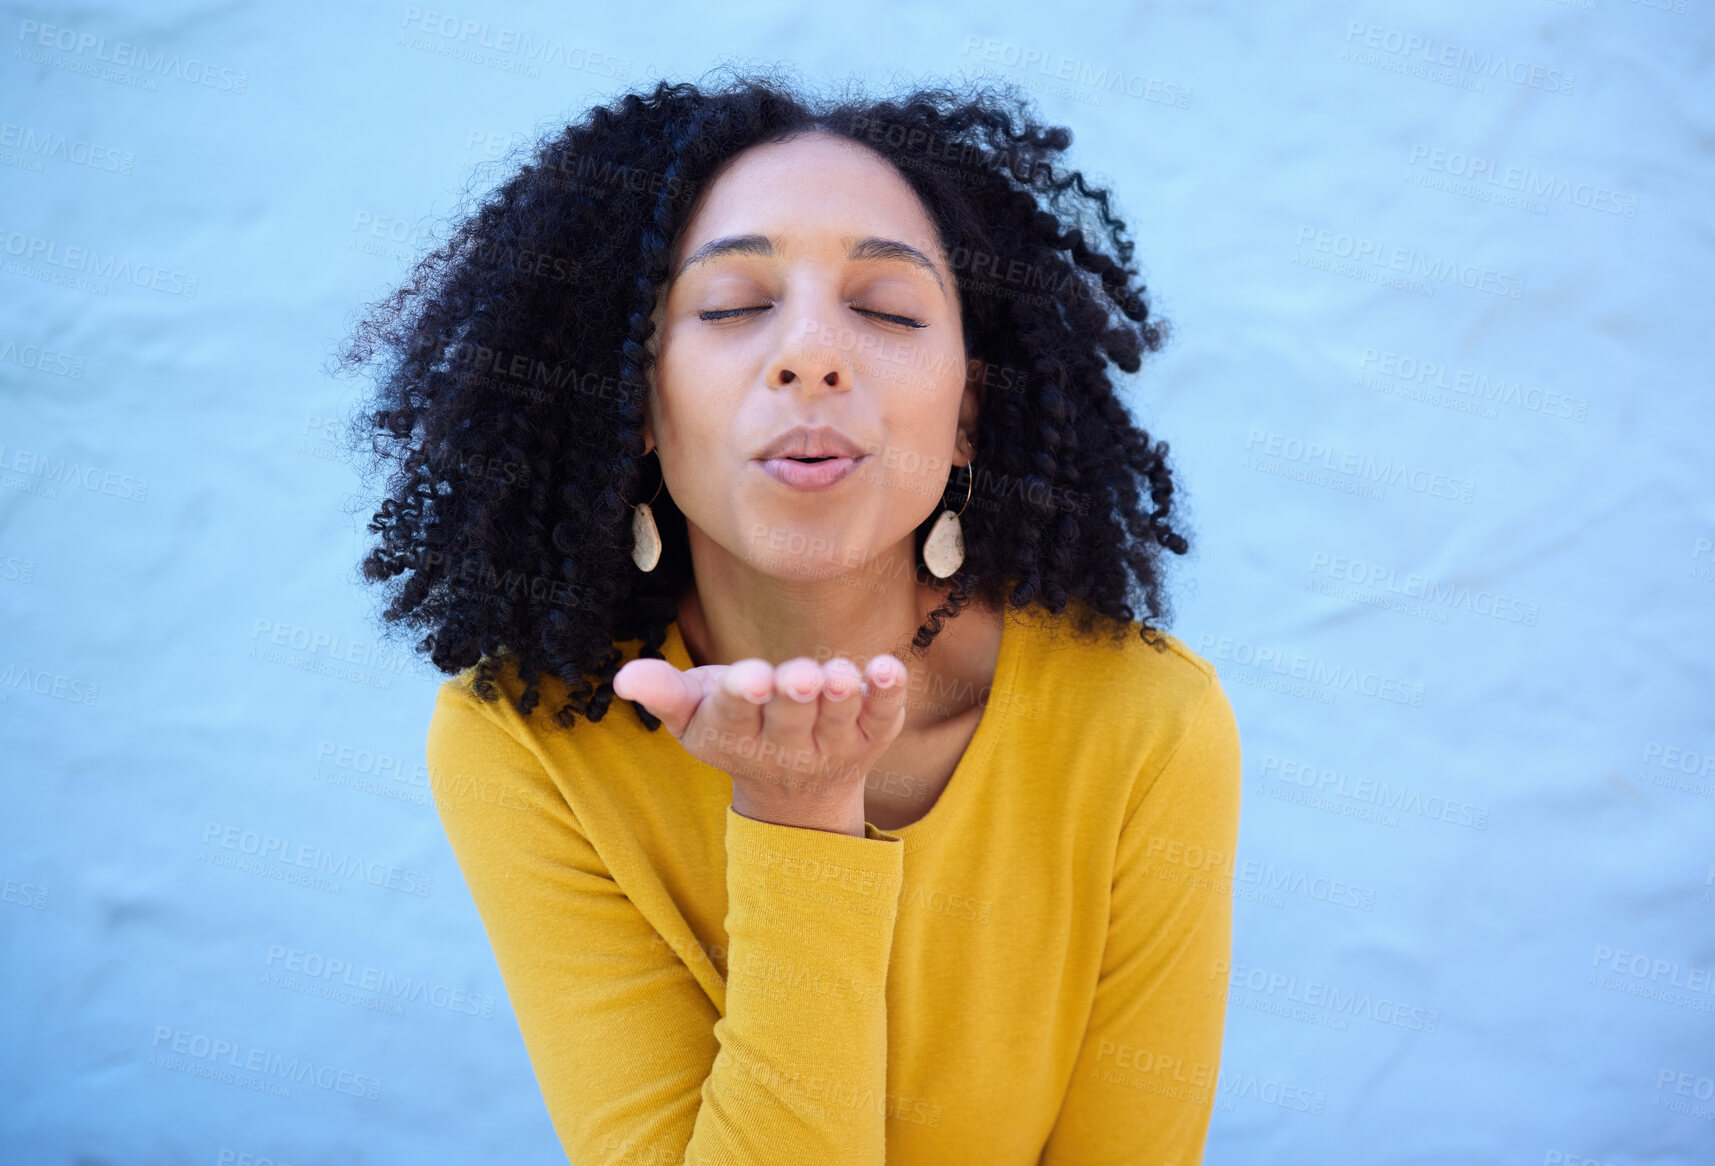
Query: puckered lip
[[811, 441]]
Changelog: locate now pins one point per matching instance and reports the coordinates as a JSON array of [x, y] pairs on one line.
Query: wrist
[[845, 816]]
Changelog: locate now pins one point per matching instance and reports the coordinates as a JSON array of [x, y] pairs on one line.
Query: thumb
[[670, 694]]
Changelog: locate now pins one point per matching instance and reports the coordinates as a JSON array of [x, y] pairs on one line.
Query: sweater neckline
[[981, 748]]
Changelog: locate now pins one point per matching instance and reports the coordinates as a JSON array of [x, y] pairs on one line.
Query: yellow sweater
[[1028, 974]]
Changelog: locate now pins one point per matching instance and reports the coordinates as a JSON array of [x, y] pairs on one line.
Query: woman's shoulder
[[1110, 659], [478, 736], [488, 697], [1132, 702]]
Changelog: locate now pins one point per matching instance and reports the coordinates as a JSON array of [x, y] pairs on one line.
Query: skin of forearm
[[844, 815]]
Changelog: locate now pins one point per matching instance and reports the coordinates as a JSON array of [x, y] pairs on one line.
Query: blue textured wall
[[1439, 398]]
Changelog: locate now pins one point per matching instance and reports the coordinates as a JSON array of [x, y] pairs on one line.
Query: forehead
[[812, 189]]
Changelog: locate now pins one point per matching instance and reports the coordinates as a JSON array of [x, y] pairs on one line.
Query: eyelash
[[714, 317]]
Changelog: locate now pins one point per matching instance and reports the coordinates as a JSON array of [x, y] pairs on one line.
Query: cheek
[[694, 422], [923, 419], [676, 404], [922, 384]]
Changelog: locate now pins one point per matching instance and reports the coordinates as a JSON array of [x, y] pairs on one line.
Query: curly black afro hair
[[512, 366]]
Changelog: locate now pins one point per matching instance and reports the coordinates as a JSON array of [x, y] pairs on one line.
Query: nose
[[810, 357], [831, 378]]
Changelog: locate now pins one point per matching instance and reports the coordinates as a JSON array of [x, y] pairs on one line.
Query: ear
[[971, 404]]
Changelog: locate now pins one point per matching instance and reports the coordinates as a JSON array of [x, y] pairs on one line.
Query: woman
[[727, 404]]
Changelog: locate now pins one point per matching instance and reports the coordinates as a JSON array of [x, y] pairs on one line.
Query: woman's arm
[[635, 1062], [1143, 1088]]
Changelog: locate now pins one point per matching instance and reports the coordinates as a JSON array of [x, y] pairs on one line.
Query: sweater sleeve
[[1143, 1087], [635, 1062]]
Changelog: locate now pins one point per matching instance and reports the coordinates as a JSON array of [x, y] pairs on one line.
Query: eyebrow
[[868, 248]]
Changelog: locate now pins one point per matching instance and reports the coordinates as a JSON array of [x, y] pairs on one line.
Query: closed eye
[[906, 320], [730, 313]]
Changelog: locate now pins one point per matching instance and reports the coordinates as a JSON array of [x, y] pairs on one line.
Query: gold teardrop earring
[[944, 549], [645, 536]]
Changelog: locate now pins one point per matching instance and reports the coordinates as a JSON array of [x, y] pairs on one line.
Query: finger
[[732, 700], [730, 717], [661, 688], [789, 717], [836, 732], [883, 710]]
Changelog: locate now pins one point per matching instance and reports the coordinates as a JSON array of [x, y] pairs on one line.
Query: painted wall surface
[[1439, 399]]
